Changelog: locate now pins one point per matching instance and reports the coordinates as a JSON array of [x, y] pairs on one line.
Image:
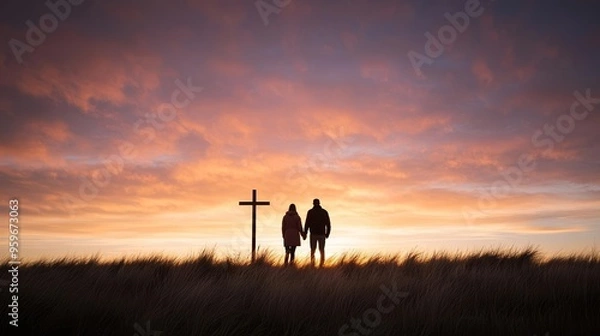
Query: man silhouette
[[317, 221]]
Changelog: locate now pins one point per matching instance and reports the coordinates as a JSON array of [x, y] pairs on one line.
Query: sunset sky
[[136, 127]]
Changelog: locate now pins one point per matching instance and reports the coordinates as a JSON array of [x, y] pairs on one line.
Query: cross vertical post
[[254, 203], [253, 224]]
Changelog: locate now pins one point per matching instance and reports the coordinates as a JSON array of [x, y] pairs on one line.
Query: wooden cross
[[254, 203]]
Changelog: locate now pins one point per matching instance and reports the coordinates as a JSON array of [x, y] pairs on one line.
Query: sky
[[135, 127]]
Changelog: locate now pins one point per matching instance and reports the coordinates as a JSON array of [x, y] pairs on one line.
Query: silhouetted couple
[[317, 222]]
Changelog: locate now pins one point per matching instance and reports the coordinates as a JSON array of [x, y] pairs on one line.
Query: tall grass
[[494, 292]]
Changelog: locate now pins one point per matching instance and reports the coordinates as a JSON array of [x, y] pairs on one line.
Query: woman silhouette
[[291, 229]]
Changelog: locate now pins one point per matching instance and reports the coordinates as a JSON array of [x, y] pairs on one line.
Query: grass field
[[487, 293]]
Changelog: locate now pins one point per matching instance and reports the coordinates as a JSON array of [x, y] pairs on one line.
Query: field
[[496, 292]]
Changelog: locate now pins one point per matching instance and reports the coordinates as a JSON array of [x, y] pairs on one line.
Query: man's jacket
[[317, 220]]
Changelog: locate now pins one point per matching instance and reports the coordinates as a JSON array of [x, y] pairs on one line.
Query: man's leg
[[322, 249], [313, 247]]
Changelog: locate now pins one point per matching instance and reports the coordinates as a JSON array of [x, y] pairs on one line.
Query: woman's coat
[[291, 228]]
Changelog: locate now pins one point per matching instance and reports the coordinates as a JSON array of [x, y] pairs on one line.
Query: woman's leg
[[287, 254], [292, 253]]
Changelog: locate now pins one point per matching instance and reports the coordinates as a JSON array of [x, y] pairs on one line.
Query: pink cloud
[[482, 71]]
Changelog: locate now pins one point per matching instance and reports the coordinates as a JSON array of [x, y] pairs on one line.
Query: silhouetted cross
[[254, 203]]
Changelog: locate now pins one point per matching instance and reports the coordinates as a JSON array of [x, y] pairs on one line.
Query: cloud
[[321, 102], [482, 72]]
